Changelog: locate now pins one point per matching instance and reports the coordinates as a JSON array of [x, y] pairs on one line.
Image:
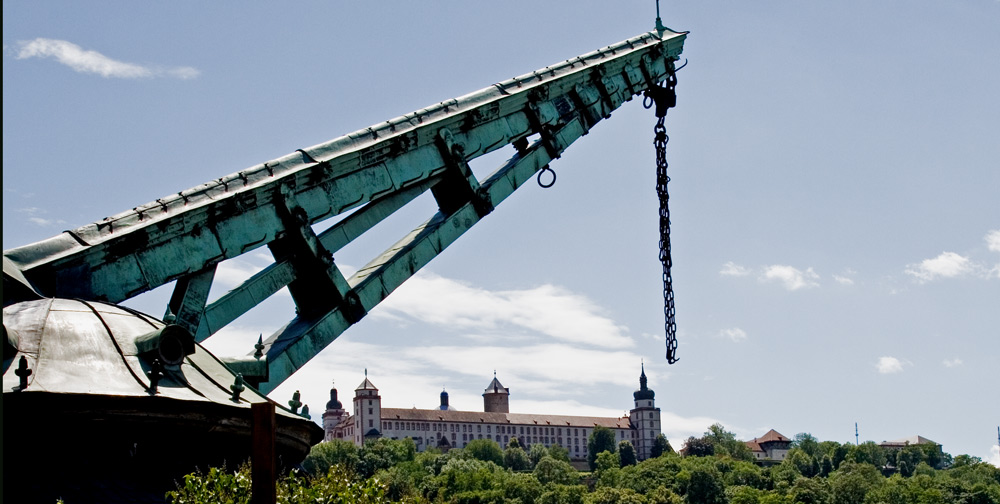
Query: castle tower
[[645, 419], [333, 416], [367, 412], [496, 397]]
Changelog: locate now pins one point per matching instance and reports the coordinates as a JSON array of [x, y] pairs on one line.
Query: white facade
[[446, 428]]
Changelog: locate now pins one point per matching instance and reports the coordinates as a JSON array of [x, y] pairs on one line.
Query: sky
[[835, 172]]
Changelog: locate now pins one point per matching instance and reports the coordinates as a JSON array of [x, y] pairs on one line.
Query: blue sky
[[834, 193]]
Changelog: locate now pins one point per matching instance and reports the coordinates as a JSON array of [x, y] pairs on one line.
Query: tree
[[705, 486], [536, 453], [699, 447], [867, 453], [516, 459], [384, 453], [514, 443], [324, 455], [601, 439], [486, 450], [725, 443], [558, 452], [626, 453], [807, 443], [660, 446], [549, 470], [810, 491]]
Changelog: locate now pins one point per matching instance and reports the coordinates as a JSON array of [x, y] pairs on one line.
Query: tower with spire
[[367, 412], [333, 416], [645, 418], [496, 398]]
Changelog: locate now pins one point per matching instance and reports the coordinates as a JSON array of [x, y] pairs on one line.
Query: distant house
[[897, 444], [772, 446]]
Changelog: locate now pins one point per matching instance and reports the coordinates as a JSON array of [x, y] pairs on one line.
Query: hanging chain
[[664, 97]]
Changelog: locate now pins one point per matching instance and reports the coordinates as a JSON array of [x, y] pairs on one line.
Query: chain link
[[664, 97], [660, 142]]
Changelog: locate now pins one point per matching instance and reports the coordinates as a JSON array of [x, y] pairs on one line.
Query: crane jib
[[371, 173]]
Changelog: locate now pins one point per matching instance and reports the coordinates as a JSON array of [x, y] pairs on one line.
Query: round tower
[[444, 402], [496, 397]]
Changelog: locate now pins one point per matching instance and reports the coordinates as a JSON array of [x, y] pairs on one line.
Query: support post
[[263, 456]]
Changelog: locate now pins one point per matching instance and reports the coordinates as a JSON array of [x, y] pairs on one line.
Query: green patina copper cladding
[[379, 169]]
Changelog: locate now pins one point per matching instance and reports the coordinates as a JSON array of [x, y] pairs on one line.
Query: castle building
[[445, 427]]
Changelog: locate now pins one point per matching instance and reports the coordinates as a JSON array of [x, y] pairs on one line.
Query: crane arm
[[370, 173]]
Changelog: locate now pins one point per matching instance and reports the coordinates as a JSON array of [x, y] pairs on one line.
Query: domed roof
[[444, 402], [643, 392], [106, 352], [333, 403]]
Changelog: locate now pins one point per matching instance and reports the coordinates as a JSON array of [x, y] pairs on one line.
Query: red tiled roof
[[772, 435], [503, 418]]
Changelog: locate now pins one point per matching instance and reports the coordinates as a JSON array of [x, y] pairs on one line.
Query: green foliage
[[725, 443], [384, 453], [390, 471], [558, 452], [742, 494], [563, 494], [705, 486], [602, 439], [536, 452], [660, 446], [218, 485], [810, 491], [486, 450], [626, 453], [549, 470], [807, 443], [867, 453], [337, 486], [325, 455], [699, 447], [515, 459], [514, 443], [608, 495]]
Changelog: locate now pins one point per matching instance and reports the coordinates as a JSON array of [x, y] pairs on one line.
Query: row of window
[[500, 429]]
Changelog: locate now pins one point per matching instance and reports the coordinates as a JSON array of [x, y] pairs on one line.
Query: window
[[522, 429], [371, 423], [453, 436], [465, 437], [369, 402], [650, 414], [369, 411], [479, 428], [498, 438], [488, 427]]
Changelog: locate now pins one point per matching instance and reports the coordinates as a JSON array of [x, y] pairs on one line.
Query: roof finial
[[659, 24], [366, 372]]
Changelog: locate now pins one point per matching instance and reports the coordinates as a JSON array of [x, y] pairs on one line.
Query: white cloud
[[546, 309], [733, 269], [993, 240], [952, 362], [994, 456], [87, 61], [843, 280], [792, 278], [946, 265], [35, 218], [736, 334], [889, 365]]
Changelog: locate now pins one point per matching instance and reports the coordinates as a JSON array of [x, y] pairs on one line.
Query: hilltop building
[[772, 446], [897, 444], [445, 427]]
